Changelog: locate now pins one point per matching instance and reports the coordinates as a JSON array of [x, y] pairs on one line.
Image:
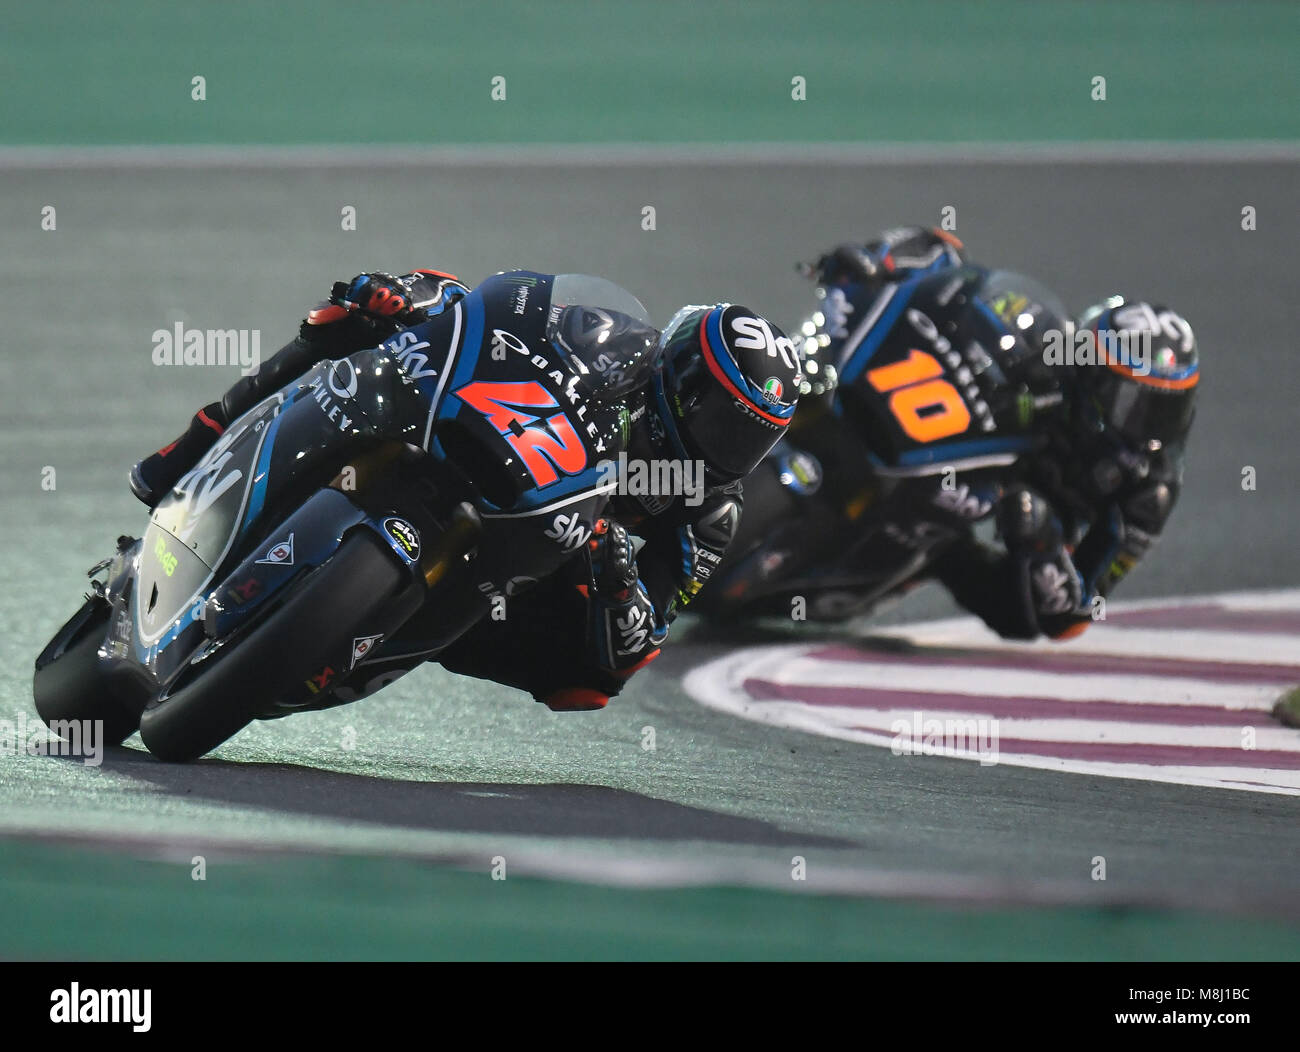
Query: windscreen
[[583, 290]]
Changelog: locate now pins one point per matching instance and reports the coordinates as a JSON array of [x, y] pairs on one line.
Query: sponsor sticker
[[243, 591], [362, 647], [279, 554], [405, 536]]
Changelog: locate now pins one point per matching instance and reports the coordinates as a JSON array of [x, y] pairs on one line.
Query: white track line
[[791, 665], [791, 716], [1067, 731], [958, 689], [1188, 644]]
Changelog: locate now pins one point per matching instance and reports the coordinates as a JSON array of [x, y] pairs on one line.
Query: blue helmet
[[727, 384]]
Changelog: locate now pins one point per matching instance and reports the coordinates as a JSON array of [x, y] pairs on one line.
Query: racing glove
[[622, 631], [379, 303], [1050, 587], [895, 254]]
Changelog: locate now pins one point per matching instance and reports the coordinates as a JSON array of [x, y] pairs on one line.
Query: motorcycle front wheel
[[325, 611]]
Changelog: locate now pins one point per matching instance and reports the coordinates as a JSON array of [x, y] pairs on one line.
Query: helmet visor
[[727, 435], [1141, 412]]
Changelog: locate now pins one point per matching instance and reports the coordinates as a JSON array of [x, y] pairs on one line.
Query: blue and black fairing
[[257, 512], [981, 331], [201, 569]]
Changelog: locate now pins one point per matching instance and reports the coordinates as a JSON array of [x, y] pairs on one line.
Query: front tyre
[[325, 611], [69, 684]]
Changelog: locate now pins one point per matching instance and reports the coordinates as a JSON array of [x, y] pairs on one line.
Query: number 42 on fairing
[[542, 447]]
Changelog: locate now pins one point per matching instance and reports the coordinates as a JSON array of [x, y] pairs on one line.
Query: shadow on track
[[546, 810]]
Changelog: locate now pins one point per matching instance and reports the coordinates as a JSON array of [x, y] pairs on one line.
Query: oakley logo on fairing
[[406, 348], [343, 378], [332, 410], [754, 334], [503, 341]]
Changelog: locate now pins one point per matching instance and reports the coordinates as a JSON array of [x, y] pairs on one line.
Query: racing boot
[[153, 477], [359, 313]]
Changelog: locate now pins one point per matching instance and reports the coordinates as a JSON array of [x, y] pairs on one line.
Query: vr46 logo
[[166, 558], [543, 447]]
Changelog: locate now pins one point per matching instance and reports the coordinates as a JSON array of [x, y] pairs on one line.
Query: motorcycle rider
[[1078, 511], [723, 391]]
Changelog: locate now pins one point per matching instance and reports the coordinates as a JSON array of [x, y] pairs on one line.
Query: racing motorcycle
[[919, 409], [429, 474]]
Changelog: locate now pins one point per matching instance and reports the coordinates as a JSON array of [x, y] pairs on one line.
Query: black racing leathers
[[568, 632]]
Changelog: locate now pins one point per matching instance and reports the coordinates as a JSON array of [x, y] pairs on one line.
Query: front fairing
[[267, 461]]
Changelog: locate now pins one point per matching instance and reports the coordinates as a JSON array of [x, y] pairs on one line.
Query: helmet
[[726, 386], [1141, 383]]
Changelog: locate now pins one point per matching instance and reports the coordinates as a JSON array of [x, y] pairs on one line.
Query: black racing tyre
[[324, 612], [70, 685]]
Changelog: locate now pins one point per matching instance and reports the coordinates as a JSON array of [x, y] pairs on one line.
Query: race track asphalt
[[459, 772]]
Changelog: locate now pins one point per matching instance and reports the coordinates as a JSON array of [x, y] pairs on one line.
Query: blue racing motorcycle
[[451, 465]]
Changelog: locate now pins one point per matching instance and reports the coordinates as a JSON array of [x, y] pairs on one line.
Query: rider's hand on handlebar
[[612, 559], [378, 296], [846, 263], [1027, 523], [1035, 538]]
